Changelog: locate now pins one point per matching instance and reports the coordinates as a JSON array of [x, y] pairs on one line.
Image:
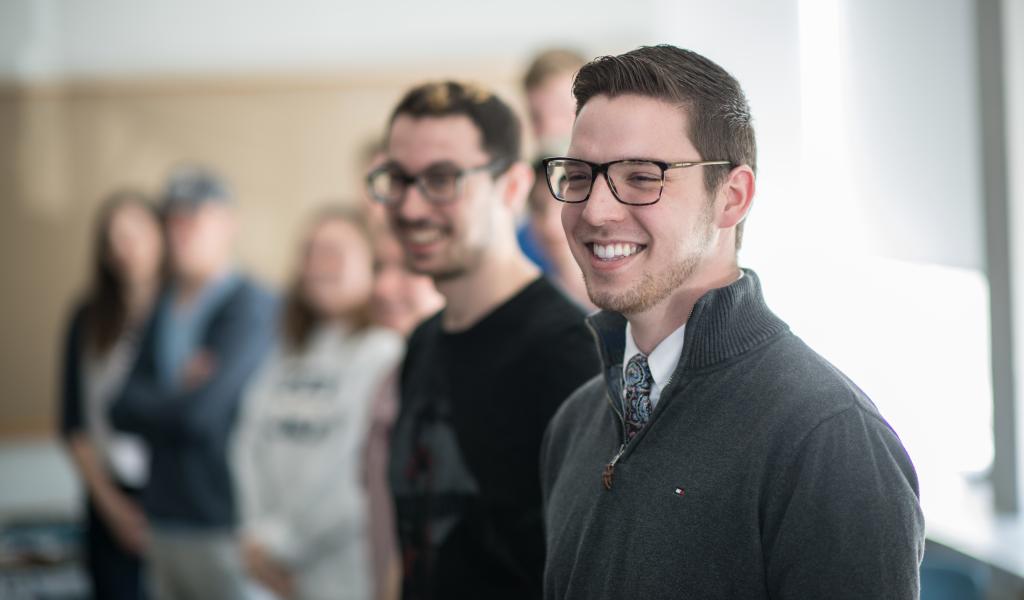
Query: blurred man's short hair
[[499, 126], [550, 63]]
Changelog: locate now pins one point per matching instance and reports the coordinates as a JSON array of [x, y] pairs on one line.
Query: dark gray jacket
[[763, 473]]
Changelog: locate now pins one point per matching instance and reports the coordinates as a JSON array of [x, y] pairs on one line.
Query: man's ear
[[735, 196], [518, 181]]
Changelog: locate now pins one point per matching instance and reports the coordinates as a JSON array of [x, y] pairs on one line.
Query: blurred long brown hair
[[106, 312], [300, 319]]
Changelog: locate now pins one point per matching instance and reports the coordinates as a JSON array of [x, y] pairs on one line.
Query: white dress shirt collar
[[662, 360]]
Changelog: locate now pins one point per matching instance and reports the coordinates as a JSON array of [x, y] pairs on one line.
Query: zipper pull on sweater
[[609, 469]]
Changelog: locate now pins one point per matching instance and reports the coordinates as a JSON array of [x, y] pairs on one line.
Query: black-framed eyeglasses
[[632, 181], [439, 184]]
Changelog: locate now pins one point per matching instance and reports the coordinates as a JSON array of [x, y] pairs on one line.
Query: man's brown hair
[[499, 126], [720, 125]]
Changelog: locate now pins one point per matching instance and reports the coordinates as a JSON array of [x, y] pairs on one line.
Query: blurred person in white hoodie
[[299, 449]]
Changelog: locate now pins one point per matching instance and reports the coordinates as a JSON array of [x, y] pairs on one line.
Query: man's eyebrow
[[441, 164], [619, 159], [643, 158], [446, 165]]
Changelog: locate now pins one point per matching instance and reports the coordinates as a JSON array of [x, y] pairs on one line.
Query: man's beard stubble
[[459, 261], [653, 288]]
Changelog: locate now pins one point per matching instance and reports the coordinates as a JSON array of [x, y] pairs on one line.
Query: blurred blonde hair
[[549, 63]]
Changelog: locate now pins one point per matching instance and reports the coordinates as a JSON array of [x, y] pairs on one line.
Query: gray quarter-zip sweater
[[764, 472]]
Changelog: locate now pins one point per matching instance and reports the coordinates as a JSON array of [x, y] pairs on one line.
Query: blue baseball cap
[[190, 186]]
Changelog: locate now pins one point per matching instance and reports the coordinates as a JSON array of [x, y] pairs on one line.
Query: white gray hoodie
[[298, 457]]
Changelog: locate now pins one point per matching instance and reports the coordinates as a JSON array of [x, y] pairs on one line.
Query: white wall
[[912, 105], [29, 40], [104, 37]]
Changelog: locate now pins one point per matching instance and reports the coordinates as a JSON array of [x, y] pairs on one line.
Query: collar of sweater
[[725, 323]]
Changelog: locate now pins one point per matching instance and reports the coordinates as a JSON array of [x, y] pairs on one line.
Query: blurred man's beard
[[465, 261]]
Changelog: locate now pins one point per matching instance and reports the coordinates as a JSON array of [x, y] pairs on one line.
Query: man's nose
[[413, 205], [602, 206]]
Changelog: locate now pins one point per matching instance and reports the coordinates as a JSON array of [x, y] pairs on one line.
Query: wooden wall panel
[[287, 143]]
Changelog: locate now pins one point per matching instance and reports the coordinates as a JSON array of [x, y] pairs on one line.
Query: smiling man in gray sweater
[[717, 456]]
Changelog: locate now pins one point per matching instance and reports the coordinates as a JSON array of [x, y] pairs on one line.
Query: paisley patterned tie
[[637, 394]]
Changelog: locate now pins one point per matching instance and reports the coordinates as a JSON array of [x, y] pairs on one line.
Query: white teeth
[[613, 251], [423, 236]]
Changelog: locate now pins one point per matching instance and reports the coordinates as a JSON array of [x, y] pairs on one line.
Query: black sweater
[[465, 447], [763, 473]]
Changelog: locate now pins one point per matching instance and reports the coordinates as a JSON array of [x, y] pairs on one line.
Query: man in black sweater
[[717, 456], [483, 377]]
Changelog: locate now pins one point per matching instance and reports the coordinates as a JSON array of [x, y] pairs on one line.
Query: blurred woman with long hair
[[99, 351], [299, 448]]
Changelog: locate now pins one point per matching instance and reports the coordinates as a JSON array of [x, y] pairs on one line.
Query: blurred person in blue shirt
[[210, 330], [552, 111]]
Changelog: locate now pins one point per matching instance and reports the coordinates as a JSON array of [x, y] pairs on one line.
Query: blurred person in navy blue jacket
[[210, 330], [101, 345]]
